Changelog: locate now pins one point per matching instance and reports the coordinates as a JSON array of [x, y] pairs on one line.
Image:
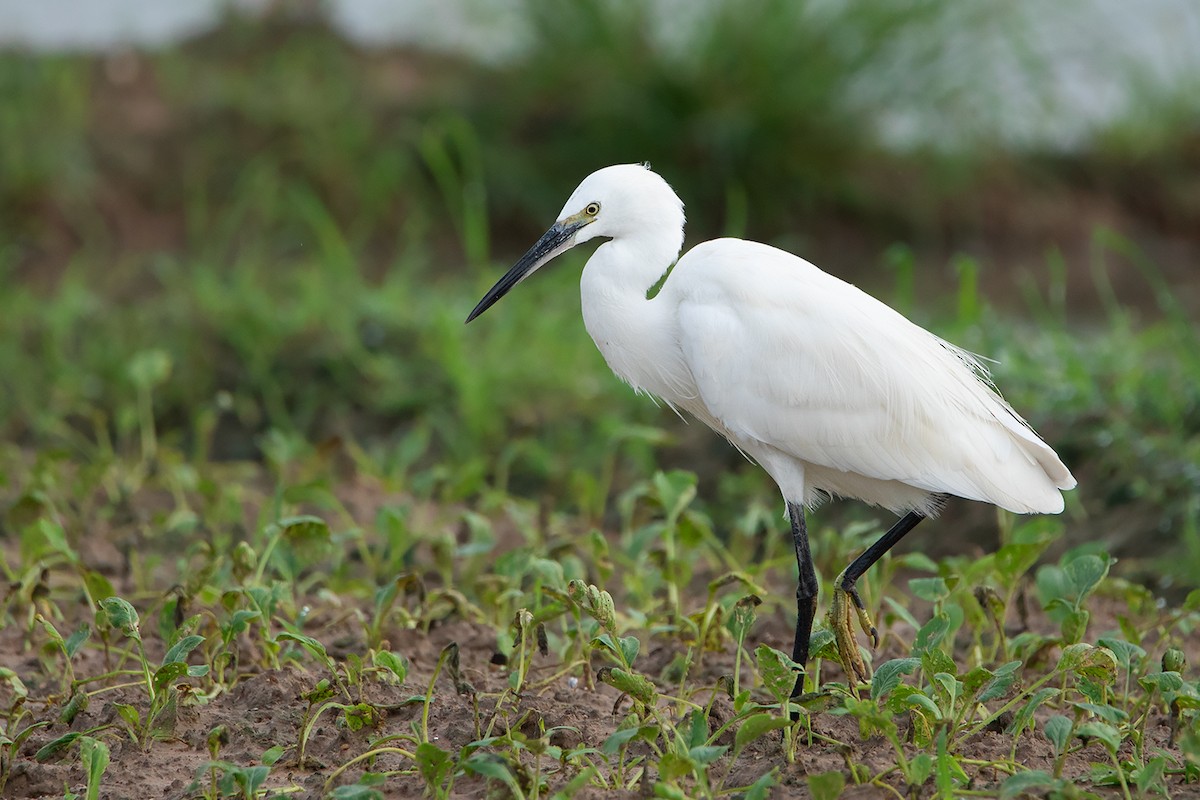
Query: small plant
[[159, 719]]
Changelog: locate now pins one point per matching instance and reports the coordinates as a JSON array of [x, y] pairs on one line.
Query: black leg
[[806, 591], [845, 593], [864, 562], [876, 551]]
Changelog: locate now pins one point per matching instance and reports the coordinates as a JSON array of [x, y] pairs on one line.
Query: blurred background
[[233, 231]]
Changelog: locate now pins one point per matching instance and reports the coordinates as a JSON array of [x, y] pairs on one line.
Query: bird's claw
[[864, 619], [844, 600]]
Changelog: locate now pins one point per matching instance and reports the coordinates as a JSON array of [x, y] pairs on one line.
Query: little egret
[[829, 390]]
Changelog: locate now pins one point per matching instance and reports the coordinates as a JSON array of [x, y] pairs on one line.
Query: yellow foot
[[844, 602]]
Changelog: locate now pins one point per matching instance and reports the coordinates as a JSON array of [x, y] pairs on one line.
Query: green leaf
[[1163, 681], [636, 686], [697, 728], [56, 748], [918, 561], [761, 788], [77, 639], [673, 766], [393, 662], [900, 698], [1002, 680], [300, 529], [167, 673], [239, 622], [273, 754], [625, 649], [78, 702], [121, 615], [974, 680], [1109, 736], [1192, 601], [1074, 624], [1151, 775], [1107, 713], [742, 617], [311, 645], [755, 726], [1099, 665], [94, 754], [618, 740], [14, 682], [55, 537], [130, 714], [1052, 585], [949, 686], [946, 768], [778, 672], [1072, 656], [921, 701], [629, 648], [920, 768], [1024, 716], [814, 702], [934, 590], [1026, 783], [250, 779], [1084, 573], [1095, 663], [597, 602], [1174, 660], [490, 765], [356, 791], [572, 787], [52, 632], [1014, 560], [434, 764], [1058, 731], [359, 716], [823, 644], [676, 489], [826, 785], [161, 720], [182, 649], [887, 676], [149, 368], [935, 661], [931, 634], [1128, 655], [900, 610]]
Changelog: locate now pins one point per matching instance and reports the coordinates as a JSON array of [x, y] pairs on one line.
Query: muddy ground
[[264, 709]]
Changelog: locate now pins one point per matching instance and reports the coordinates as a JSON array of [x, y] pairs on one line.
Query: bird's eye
[[592, 209]]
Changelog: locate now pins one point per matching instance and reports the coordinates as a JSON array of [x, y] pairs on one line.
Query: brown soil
[[265, 708]]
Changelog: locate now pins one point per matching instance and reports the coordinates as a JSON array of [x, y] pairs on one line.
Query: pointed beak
[[559, 239]]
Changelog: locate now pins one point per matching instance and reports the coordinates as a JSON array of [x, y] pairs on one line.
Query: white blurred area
[[1101, 59], [468, 27]]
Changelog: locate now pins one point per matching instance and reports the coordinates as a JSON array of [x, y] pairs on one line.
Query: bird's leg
[[845, 593], [806, 591]]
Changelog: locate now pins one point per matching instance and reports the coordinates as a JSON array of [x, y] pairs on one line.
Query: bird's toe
[[840, 612]]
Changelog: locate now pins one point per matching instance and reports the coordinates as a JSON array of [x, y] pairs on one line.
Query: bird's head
[[617, 202]]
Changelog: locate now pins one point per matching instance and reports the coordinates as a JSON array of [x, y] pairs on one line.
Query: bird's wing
[[790, 356]]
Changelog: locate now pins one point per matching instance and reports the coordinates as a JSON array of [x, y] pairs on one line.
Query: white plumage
[[830, 390]]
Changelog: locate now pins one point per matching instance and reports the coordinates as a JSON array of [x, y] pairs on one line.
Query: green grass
[[1100, 674], [267, 449]]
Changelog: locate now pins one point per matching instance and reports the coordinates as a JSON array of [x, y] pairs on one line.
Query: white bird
[[832, 392]]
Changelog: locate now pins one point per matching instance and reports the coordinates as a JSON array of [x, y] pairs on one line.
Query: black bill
[[558, 239]]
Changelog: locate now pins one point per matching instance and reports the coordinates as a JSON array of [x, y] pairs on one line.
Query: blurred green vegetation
[[266, 236]]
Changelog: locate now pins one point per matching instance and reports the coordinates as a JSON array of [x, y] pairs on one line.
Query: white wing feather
[[790, 357]]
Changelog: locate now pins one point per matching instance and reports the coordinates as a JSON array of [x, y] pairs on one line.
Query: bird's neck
[[622, 321]]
